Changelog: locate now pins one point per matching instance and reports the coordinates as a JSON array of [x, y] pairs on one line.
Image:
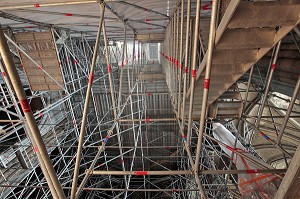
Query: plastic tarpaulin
[[252, 185]]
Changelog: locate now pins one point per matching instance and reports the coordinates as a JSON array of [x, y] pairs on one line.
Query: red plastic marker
[[25, 105], [140, 173], [194, 73]]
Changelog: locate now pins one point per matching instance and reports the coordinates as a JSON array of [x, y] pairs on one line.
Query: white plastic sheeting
[[252, 185]]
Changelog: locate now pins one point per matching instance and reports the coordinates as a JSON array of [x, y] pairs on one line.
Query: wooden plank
[[236, 56], [272, 14], [247, 38], [230, 95], [260, 53], [41, 48], [151, 77], [154, 37], [226, 19], [227, 69]]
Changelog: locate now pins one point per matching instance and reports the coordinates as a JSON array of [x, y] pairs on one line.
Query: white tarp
[[252, 185]]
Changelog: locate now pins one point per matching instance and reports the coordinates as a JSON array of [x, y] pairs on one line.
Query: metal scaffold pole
[[211, 44], [86, 105]]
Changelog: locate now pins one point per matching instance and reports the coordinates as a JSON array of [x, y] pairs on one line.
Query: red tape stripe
[[194, 73], [91, 78], [147, 120], [252, 171], [185, 69], [108, 68], [230, 148], [273, 66], [25, 105], [68, 14], [140, 173], [36, 5], [206, 83]]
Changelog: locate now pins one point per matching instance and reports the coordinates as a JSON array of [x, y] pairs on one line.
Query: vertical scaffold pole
[[211, 44], [86, 106]]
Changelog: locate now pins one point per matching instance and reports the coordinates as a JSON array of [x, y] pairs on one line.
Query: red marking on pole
[[177, 64], [252, 171], [36, 5], [230, 148], [35, 148], [75, 61], [146, 9], [181, 66], [185, 69], [88, 189], [91, 78], [167, 147], [205, 7], [40, 114], [3, 74], [147, 20], [140, 173], [25, 105], [174, 190], [194, 73], [122, 161], [108, 68], [122, 64], [100, 165], [149, 28], [29, 27], [107, 137], [147, 120], [40, 67], [68, 14], [149, 94], [206, 83], [273, 66], [265, 136]]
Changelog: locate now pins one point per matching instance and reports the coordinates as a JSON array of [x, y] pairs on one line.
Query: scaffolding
[[126, 117]]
